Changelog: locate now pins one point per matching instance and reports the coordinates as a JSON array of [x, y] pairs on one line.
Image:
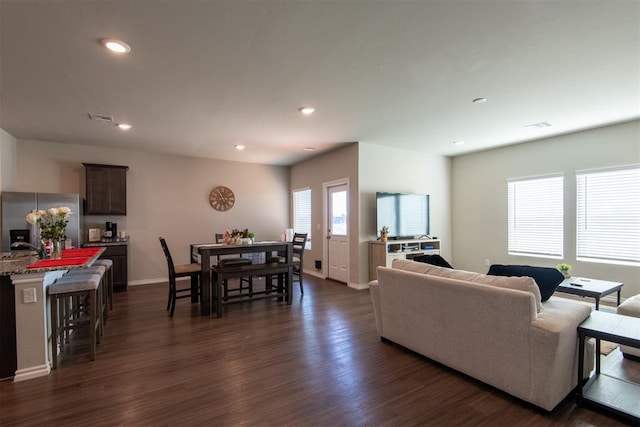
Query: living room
[[167, 192]]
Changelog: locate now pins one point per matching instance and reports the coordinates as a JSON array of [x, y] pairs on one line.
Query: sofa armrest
[[554, 349], [374, 290]]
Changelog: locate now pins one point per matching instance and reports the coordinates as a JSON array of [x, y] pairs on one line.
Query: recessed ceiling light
[[307, 110], [114, 45], [479, 100], [459, 142], [124, 126], [239, 147], [310, 148]]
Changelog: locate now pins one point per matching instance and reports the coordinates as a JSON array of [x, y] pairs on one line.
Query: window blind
[[608, 215], [302, 213], [535, 210]]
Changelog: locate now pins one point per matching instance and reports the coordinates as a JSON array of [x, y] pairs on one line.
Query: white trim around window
[[608, 215], [535, 216], [302, 213]]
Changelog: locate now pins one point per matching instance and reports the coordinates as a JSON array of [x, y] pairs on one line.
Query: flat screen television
[[406, 215]]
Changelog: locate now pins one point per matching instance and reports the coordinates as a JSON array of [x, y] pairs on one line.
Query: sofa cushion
[[546, 278], [433, 260], [526, 284]]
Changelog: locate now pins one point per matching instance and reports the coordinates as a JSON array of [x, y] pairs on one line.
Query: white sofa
[[630, 307], [492, 328]]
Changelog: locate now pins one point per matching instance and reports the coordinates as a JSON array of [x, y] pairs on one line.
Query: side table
[[601, 390], [590, 288]]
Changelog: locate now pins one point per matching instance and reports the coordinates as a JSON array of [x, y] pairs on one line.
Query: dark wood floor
[[317, 362]]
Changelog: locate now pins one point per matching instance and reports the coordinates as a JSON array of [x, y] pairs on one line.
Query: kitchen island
[[28, 278]]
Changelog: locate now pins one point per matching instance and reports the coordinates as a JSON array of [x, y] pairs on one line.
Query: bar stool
[[109, 266], [71, 297], [104, 285], [84, 274]]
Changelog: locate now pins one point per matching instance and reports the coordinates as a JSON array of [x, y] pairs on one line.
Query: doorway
[[337, 220]]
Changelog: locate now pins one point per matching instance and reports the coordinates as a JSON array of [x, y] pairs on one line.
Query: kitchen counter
[[19, 278], [16, 263], [19, 261], [117, 251], [107, 242]]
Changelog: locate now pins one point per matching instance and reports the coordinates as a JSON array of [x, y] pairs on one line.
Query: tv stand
[[383, 253]]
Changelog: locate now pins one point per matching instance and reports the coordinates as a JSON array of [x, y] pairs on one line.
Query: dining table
[[213, 277]]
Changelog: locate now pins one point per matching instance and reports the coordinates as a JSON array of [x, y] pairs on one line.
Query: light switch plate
[[29, 296]]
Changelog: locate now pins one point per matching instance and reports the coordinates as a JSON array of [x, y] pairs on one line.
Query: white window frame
[[608, 215], [535, 210], [302, 213]]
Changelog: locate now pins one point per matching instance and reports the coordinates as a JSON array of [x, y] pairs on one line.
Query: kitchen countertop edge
[[20, 266], [98, 244]]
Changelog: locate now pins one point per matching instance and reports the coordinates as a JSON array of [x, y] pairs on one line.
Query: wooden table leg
[[205, 284]]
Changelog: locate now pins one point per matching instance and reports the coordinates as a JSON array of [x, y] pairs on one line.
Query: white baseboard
[[32, 372], [359, 286], [149, 281], [317, 274]]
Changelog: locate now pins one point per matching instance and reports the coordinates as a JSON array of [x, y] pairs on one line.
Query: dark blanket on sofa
[[436, 260], [546, 278]]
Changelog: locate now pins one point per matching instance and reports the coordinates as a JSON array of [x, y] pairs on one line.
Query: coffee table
[[601, 390], [590, 288]]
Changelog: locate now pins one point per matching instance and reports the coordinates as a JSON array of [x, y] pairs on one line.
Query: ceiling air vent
[[544, 124], [101, 117]]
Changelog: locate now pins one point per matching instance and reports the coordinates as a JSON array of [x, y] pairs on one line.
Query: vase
[[56, 249]]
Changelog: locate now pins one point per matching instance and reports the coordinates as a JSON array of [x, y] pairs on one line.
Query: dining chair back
[[192, 271], [299, 242]]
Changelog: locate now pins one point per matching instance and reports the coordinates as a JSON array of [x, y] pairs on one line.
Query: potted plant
[[251, 236], [564, 269]]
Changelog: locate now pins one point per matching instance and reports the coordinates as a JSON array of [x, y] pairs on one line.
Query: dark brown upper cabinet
[[106, 189]]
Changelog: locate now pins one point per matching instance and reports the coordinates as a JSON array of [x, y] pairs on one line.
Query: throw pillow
[[436, 260], [546, 278]]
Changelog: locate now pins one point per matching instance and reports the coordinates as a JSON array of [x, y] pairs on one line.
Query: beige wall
[[7, 163], [167, 196], [336, 165], [479, 194], [400, 171], [7, 160], [370, 168]]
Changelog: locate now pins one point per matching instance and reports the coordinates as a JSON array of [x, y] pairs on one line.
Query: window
[[608, 215], [302, 213], [535, 210]]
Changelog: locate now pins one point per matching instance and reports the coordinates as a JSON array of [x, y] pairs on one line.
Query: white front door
[[338, 232]]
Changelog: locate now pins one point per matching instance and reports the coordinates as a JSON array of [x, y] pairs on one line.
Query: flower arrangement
[[52, 222], [236, 235]]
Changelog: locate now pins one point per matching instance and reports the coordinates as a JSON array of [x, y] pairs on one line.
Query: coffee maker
[[111, 230]]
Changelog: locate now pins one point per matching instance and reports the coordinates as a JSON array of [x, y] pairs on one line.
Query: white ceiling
[[205, 75]]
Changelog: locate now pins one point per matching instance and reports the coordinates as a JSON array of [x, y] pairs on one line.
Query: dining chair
[[299, 242], [192, 270]]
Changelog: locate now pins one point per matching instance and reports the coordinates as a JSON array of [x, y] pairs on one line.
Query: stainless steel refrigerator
[[16, 206]]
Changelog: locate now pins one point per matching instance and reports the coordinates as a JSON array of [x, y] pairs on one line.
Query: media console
[[383, 253]]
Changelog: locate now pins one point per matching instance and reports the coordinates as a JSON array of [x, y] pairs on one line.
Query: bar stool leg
[[54, 331], [92, 322]]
